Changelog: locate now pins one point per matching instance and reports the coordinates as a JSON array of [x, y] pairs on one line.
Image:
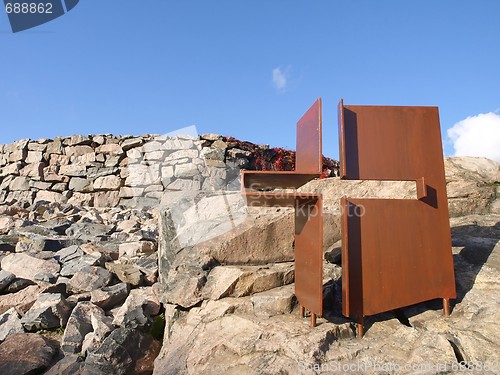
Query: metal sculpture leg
[[446, 306], [361, 327], [302, 311], [313, 319]]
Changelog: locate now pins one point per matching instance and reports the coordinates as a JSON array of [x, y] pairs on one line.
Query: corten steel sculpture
[[308, 208], [395, 252]]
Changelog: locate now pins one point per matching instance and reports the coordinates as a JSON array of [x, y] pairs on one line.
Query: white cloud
[[280, 79], [477, 136]]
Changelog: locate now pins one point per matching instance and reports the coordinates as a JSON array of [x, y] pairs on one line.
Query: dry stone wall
[[107, 171]]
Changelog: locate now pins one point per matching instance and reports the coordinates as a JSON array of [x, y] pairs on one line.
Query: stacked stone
[[105, 170]]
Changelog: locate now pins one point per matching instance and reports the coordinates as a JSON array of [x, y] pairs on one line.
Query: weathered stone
[[5, 278], [11, 169], [186, 170], [71, 364], [139, 248], [88, 279], [80, 324], [113, 161], [89, 231], [77, 298], [51, 196], [107, 183], [273, 302], [154, 155], [26, 267], [21, 300], [25, 354], [110, 149], [10, 323], [213, 153], [241, 281], [212, 340], [81, 185], [211, 136], [20, 184], [107, 199], [77, 140], [78, 264], [18, 284], [49, 311], [142, 175], [34, 157], [129, 192], [97, 172], [139, 307], [18, 155], [127, 273], [78, 150], [80, 199], [109, 297], [149, 267], [184, 184], [35, 171], [68, 253], [178, 144], [127, 144], [73, 170], [124, 351]]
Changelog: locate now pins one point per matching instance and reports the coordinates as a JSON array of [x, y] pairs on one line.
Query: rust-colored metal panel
[[396, 252], [308, 208], [309, 156], [309, 253]]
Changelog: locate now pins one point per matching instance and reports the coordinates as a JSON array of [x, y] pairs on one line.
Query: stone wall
[[107, 171]]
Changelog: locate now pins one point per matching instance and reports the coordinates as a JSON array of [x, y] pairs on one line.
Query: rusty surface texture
[[395, 252], [308, 208]]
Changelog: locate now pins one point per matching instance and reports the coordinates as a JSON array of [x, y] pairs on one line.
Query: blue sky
[[247, 68]]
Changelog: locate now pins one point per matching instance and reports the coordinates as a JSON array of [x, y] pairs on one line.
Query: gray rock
[[45, 277], [109, 297], [89, 231], [88, 279], [80, 324], [124, 351], [71, 364], [139, 307], [74, 265], [5, 278], [18, 284], [49, 311], [149, 268], [127, 273], [10, 323], [15, 359], [68, 253], [217, 154]]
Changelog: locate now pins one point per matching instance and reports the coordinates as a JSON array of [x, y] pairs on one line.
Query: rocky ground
[[81, 292]]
